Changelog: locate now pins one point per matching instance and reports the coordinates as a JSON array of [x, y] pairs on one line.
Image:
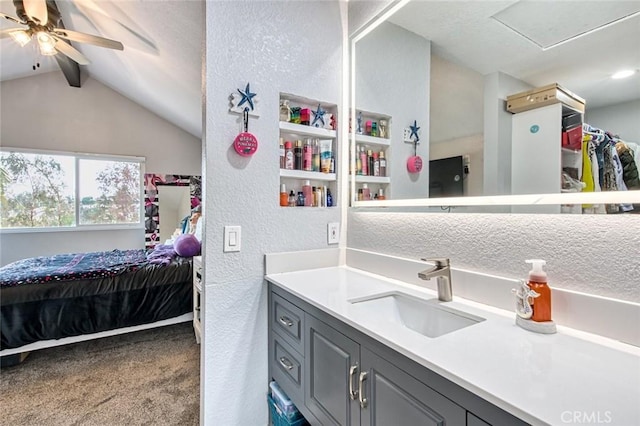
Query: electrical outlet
[[333, 233]]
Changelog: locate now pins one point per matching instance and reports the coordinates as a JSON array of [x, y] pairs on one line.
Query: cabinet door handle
[[363, 399], [352, 373], [285, 321], [285, 363]]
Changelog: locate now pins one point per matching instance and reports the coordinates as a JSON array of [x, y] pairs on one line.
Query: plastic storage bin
[[279, 419]]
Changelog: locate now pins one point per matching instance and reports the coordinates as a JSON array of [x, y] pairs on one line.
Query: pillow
[[186, 245]]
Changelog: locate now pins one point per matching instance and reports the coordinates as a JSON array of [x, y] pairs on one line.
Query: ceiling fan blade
[[12, 19], [88, 38], [70, 69], [70, 51], [7, 32], [37, 10]]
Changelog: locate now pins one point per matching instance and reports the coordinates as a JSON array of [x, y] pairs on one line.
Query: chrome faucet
[[442, 270]]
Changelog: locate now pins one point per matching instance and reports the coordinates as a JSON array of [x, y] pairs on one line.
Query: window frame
[[77, 227]]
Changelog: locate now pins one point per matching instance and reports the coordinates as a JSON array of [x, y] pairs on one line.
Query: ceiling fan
[[44, 26]]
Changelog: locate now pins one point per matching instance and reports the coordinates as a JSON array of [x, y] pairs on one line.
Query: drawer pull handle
[[352, 373], [286, 363], [363, 399], [285, 321]]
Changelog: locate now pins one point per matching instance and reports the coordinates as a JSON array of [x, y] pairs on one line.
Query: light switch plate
[[232, 238], [333, 233]]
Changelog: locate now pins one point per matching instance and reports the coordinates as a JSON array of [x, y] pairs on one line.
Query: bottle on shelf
[[284, 198], [376, 164], [307, 155], [366, 193], [364, 161], [289, 160], [285, 111], [297, 155], [358, 163], [383, 164], [318, 197], [300, 199], [381, 194], [308, 194], [370, 162], [382, 128], [292, 199], [282, 154], [315, 159], [329, 198]]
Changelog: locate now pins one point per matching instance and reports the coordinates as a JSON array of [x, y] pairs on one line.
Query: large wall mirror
[[433, 78]]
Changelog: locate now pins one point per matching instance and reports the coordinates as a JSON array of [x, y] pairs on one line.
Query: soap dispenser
[[533, 306]]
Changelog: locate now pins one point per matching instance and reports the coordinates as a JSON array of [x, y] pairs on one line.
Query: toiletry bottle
[[307, 156], [374, 129], [358, 162], [360, 196], [316, 155], [288, 155], [292, 199], [314, 201], [329, 198], [381, 194], [282, 154], [284, 198], [318, 197], [370, 160], [364, 160], [376, 164], [382, 128], [538, 283], [300, 199], [366, 193], [368, 128], [297, 155], [308, 194], [332, 167], [383, 164]]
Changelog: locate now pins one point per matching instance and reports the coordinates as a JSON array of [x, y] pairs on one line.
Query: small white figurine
[[523, 300]]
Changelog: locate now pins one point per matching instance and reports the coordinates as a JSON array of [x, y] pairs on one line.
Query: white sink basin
[[427, 317]]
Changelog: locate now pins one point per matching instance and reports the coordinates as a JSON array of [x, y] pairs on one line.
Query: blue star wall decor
[[318, 115], [414, 131], [242, 100]]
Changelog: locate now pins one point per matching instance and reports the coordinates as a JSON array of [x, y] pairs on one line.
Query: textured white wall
[[291, 47], [362, 11], [620, 119], [392, 77], [456, 101], [43, 112], [587, 253], [497, 132]]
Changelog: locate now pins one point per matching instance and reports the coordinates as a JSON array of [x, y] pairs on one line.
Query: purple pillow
[[187, 245]]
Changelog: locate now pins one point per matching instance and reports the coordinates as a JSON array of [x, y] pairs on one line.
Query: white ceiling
[[160, 67], [465, 33]]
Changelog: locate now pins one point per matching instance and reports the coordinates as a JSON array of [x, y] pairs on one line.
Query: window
[[44, 190]]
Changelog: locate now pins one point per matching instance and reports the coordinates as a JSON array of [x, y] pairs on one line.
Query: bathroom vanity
[[350, 347]]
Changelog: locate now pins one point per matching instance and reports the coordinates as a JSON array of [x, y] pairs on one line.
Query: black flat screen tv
[[445, 177]]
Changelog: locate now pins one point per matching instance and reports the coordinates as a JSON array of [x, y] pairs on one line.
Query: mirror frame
[[622, 197], [151, 201]]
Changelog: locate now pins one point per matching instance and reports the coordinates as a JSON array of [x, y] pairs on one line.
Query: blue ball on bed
[[187, 245]]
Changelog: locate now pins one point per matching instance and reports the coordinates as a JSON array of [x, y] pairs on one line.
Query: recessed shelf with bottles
[[372, 150], [308, 152]]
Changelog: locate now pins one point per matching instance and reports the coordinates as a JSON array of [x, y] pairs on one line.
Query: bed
[[48, 301]]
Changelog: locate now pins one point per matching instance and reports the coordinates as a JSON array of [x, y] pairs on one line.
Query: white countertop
[[570, 377]]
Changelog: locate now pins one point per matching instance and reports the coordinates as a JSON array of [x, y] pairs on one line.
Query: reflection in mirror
[[174, 211], [450, 66]]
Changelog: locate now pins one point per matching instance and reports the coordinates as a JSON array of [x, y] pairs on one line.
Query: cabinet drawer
[[288, 322], [286, 367]]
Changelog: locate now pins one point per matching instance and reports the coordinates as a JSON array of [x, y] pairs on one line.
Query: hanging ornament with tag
[[414, 163], [245, 143]]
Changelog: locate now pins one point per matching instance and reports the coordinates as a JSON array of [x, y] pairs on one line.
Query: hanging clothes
[[629, 166]]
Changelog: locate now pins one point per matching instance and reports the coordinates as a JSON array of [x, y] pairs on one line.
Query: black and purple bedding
[[60, 296]]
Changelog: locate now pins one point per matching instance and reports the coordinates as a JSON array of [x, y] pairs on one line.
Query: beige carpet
[[150, 377]]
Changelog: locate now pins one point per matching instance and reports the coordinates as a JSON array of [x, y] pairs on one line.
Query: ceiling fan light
[[20, 37], [46, 43]]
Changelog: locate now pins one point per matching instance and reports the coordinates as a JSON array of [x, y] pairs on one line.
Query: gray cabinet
[[331, 366], [392, 396], [337, 375]]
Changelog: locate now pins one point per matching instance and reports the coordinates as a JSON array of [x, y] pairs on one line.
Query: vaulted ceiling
[[160, 67]]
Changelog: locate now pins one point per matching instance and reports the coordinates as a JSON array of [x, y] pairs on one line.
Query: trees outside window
[[39, 190]]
